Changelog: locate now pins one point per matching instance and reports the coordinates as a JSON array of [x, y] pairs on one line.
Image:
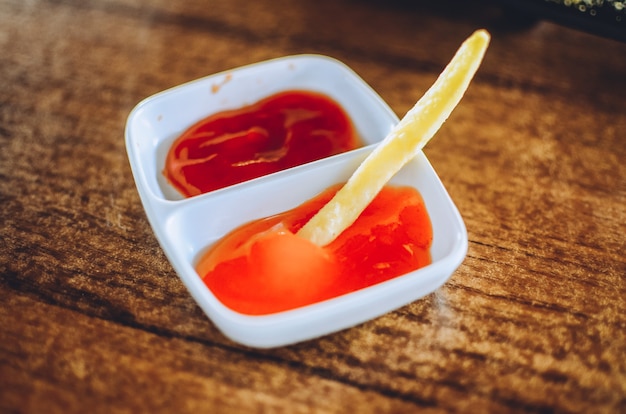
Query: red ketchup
[[263, 267], [276, 133]]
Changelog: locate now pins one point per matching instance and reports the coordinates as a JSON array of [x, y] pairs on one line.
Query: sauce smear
[[276, 133], [263, 267]]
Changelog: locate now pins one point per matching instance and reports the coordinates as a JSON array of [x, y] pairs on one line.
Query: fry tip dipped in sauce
[[352, 236]]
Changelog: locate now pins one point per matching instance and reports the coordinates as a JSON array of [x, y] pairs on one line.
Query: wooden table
[[94, 319]]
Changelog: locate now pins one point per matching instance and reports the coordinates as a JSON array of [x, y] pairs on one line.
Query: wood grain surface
[[94, 319]]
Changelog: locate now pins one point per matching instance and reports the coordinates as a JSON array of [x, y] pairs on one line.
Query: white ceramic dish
[[187, 227]]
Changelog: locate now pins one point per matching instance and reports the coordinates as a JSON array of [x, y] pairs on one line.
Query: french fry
[[409, 136]]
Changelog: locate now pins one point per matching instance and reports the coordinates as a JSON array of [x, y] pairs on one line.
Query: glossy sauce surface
[[263, 267], [276, 133]]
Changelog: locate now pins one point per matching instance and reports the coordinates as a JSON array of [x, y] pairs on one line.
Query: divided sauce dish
[[186, 228]]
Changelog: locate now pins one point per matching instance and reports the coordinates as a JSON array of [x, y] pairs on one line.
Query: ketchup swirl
[[281, 131]]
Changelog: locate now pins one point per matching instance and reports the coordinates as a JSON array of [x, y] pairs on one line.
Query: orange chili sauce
[[263, 267], [276, 133]]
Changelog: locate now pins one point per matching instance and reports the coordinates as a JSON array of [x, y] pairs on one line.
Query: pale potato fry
[[408, 137]]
